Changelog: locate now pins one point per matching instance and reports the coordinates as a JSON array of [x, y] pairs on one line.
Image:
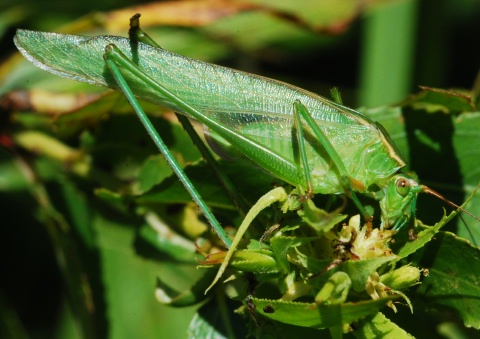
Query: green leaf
[[167, 295], [320, 14], [213, 320], [319, 219], [171, 191], [130, 281], [379, 326], [11, 176], [467, 133], [168, 242], [282, 245], [452, 279], [256, 261], [424, 237], [317, 316], [335, 290], [360, 270], [239, 172], [152, 172], [439, 100], [77, 211]]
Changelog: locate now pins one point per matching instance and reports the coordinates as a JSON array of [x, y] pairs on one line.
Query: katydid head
[[399, 201]]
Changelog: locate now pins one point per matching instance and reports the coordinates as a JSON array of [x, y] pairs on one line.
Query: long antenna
[[428, 190]]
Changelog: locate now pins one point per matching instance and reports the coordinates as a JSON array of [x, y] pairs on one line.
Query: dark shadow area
[[433, 159], [31, 286]]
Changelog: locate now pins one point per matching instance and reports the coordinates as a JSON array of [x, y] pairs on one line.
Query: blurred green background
[[376, 52]]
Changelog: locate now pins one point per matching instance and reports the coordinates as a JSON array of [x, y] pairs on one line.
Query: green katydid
[[304, 139]]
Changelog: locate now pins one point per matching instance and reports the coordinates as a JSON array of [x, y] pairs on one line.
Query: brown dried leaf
[[176, 13], [46, 102]]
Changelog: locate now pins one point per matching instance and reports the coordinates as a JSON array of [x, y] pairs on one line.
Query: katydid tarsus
[[306, 140]]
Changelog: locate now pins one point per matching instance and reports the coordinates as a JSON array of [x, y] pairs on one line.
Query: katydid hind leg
[[112, 61], [345, 179], [136, 34]]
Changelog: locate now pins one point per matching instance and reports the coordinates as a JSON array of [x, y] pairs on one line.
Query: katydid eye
[[403, 186]]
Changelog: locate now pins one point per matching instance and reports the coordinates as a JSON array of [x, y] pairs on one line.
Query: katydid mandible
[[300, 137]]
